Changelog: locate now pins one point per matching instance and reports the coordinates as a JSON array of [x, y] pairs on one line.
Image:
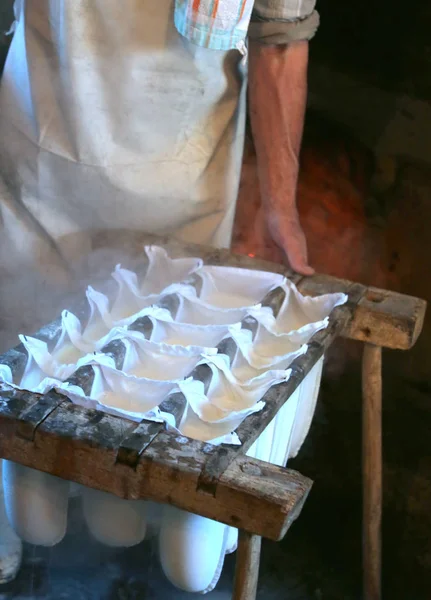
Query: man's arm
[[278, 92], [279, 32]]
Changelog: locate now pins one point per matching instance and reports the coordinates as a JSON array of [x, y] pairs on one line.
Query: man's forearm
[[278, 92]]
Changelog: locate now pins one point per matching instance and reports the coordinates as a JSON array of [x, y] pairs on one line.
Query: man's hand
[[286, 231], [278, 91]]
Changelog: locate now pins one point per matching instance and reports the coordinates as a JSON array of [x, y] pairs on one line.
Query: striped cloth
[[223, 24], [216, 24]]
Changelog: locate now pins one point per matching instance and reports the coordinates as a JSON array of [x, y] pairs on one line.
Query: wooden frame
[[145, 461]]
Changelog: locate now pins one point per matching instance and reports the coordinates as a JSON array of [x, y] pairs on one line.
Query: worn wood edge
[[82, 445], [382, 317], [31, 418], [138, 440]]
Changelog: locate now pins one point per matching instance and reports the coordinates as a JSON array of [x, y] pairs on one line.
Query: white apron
[[109, 119]]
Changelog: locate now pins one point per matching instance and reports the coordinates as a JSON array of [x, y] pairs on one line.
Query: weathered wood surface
[[138, 441], [133, 461], [372, 470], [221, 457], [383, 318], [84, 446], [247, 566]]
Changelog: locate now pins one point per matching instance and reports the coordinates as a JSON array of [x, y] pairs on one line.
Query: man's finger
[[295, 248], [299, 264]]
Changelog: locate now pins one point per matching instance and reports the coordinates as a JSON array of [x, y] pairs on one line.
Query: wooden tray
[[144, 461]]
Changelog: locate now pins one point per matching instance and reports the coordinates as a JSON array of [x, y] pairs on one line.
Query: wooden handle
[[247, 566], [372, 470]]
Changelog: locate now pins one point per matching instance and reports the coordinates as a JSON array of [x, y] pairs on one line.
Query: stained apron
[[109, 120]]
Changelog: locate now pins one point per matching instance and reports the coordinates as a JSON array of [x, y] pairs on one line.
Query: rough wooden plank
[[372, 470], [15, 359], [50, 333], [392, 319], [247, 566], [249, 495], [382, 318], [36, 413], [15, 402], [132, 447], [175, 404], [83, 378], [82, 445], [274, 300], [117, 351]]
